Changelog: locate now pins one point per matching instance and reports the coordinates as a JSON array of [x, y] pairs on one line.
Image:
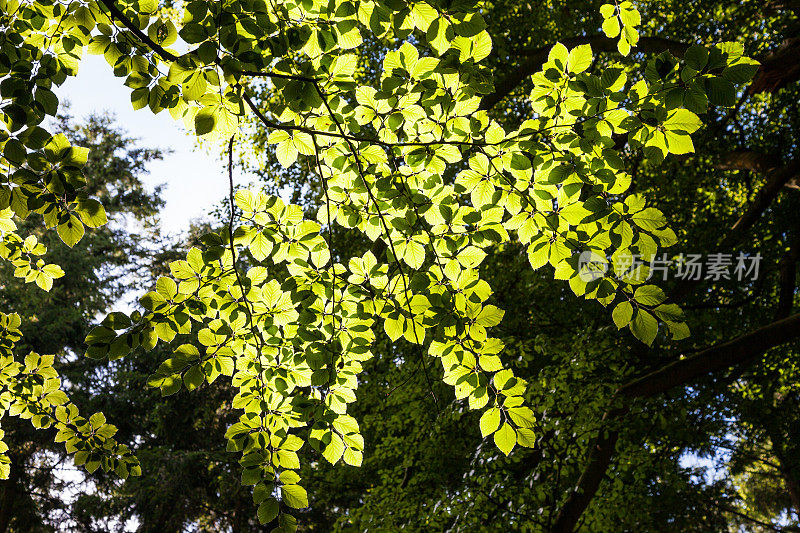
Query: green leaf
[[740, 73], [649, 219], [611, 27], [195, 87], [608, 10], [294, 496], [622, 314], [92, 213], [193, 377], [696, 57], [678, 330], [721, 92], [163, 32], [84, 18], [205, 121], [260, 246], [14, 151], [147, 6], [393, 328], [287, 153], [334, 449], [470, 26], [669, 312], [679, 144], [482, 46], [649, 295], [695, 99], [559, 55], [268, 510], [71, 231], [287, 524], [490, 421], [505, 438], [414, 254], [522, 416], [97, 420], [580, 58], [624, 46], [644, 327], [630, 16], [682, 120], [170, 385]]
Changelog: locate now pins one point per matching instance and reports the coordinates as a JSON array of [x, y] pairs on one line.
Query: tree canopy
[[447, 178]]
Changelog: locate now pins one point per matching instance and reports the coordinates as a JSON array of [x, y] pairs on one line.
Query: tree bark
[[749, 160], [779, 68], [739, 351], [600, 453], [787, 278]]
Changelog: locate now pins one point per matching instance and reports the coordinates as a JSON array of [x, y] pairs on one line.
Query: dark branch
[[165, 54], [787, 277], [740, 351], [725, 509], [747, 160], [776, 180], [142, 36], [538, 57], [600, 453], [779, 68]]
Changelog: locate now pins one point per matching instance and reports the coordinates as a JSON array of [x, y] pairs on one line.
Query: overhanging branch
[[739, 351]]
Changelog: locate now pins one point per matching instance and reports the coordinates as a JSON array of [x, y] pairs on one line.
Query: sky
[[196, 179]]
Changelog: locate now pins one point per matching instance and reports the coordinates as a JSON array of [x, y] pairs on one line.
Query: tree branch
[[775, 182], [787, 279], [748, 160], [779, 68], [142, 36], [776, 179], [744, 516], [165, 54], [538, 57], [739, 351], [600, 452]]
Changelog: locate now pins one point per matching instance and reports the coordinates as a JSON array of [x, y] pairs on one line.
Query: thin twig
[[385, 225], [166, 54], [333, 263]]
